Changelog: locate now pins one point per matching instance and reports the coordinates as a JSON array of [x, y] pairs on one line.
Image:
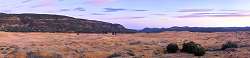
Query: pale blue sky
[[138, 14]]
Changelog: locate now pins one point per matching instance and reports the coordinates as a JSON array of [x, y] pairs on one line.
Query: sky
[[139, 14]]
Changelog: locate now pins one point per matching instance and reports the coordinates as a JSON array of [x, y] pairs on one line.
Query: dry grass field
[[136, 45]]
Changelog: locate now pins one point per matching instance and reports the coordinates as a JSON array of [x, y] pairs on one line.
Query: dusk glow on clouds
[[138, 14], [100, 2]]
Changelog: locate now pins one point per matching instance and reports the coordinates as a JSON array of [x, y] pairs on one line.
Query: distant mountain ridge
[[59, 23], [55, 23], [196, 29]]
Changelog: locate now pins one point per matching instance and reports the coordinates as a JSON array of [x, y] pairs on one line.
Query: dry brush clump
[[139, 51], [6, 51], [114, 55], [229, 44], [43, 54], [126, 53]]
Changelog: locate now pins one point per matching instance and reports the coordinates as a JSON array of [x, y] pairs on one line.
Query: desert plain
[[132, 45]]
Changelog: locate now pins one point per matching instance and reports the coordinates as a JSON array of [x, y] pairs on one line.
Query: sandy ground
[[137, 45]]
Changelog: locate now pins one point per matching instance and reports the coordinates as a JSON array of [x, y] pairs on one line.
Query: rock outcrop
[[55, 23]]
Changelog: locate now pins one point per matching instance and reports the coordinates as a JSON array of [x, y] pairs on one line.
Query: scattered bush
[[192, 47], [43, 55], [172, 48], [229, 44], [114, 55], [130, 52], [135, 42]]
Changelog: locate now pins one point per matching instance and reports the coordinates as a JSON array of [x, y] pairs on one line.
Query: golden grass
[[144, 45]]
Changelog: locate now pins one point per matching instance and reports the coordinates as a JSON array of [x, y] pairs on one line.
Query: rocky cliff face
[[54, 23]]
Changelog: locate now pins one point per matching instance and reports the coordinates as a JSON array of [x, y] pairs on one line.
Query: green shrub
[[172, 48], [189, 47], [229, 44], [192, 47], [200, 51]]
